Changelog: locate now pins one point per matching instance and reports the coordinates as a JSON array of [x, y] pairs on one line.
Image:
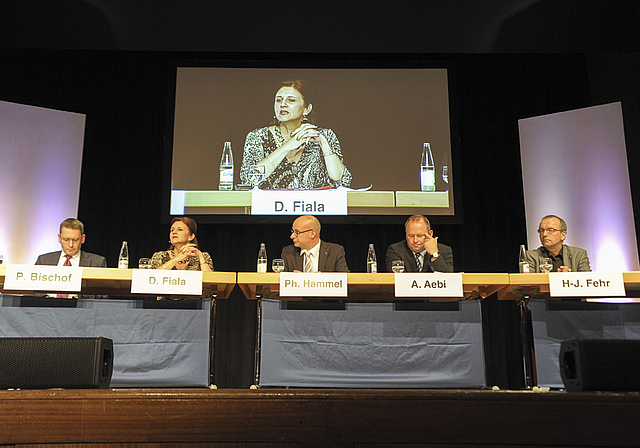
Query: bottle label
[[123, 263], [373, 267], [524, 267], [427, 178], [262, 266], [226, 178]]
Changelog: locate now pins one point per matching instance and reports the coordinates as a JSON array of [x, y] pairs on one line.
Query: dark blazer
[[87, 259], [574, 258], [400, 251], [331, 258]]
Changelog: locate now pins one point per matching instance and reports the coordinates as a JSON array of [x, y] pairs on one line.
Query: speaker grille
[[55, 362]]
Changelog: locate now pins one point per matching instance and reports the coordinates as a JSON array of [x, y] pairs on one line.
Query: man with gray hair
[[553, 231]]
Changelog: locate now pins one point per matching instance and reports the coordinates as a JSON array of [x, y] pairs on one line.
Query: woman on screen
[[183, 252], [293, 152]]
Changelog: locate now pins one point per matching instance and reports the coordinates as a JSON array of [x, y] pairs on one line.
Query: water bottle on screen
[[123, 258], [427, 169], [372, 264], [226, 168], [522, 260], [262, 258]]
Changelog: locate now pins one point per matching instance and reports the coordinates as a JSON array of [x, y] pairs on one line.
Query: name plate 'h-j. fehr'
[[318, 284], [586, 284], [22, 277], [156, 281], [299, 202], [435, 284]]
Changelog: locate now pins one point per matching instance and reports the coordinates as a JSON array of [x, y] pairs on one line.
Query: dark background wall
[[112, 60]]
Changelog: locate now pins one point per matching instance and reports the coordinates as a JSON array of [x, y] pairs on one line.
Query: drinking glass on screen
[[445, 173], [546, 265], [397, 266], [144, 263], [256, 175], [277, 265]]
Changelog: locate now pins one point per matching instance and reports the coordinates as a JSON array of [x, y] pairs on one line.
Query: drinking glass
[[256, 175], [445, 173], [546, 265], [144, 263], [277, 265], [397, 266]]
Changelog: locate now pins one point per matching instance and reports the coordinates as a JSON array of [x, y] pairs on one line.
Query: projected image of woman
[[294, 152]]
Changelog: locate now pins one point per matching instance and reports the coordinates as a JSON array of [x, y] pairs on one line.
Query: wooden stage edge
[[317, 417]]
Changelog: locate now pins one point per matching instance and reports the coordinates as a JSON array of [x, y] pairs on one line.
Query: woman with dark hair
[[294, 152], [183, 252]]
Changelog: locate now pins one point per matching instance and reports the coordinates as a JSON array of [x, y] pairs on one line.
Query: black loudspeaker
[[41, 363], [600, 364]]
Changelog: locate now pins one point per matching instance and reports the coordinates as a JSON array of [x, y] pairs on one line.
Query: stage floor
[[318, 417]]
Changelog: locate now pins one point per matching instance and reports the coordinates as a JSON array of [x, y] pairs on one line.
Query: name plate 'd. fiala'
[[24, 277], [298, 202], [318, 284], [586, 284], [156, 281], [435, 284]]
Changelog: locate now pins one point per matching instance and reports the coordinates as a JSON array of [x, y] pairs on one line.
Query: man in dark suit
[[310, 254], [71, 238], [420, 251]]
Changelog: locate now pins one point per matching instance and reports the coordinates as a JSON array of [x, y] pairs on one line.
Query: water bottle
[[262, 258], [226, 168], [123, 258], [524, 265], [372, 264], [427, 169]]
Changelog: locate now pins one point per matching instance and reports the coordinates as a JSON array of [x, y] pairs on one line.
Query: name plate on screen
[[43, 278], [299, 202], [586, 284], [319, 284], [156, 281], [435, 284]]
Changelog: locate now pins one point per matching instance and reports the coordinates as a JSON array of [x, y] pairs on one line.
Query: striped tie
[[419, 261], [308, 263]]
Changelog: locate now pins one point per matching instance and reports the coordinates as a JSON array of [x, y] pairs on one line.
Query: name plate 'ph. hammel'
[[317, 284], [156, 281]]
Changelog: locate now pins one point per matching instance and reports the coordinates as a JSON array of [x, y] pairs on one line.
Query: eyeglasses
[[419, 235], [550, 231], [298, 232], [70, 240]]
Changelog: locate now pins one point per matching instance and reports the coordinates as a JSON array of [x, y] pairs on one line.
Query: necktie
[[419, 261], [67, 262], [308, 264]]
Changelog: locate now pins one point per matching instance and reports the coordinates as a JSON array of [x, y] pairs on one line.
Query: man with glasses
[[553, 231], [309, 253], [71, 239], [420, 251]]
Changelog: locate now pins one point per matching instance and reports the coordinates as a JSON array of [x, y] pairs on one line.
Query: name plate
[[156, 281], [433, 284], [318, 284], [299, 202], [23, 277], [586, 284]]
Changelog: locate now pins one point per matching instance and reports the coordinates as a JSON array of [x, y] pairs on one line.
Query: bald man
[[309, 253]]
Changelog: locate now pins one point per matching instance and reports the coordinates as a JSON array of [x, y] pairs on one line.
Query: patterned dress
[[308, 173], [160, 258]]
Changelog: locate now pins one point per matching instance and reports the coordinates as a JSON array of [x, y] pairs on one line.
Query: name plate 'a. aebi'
[[434, 284]]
